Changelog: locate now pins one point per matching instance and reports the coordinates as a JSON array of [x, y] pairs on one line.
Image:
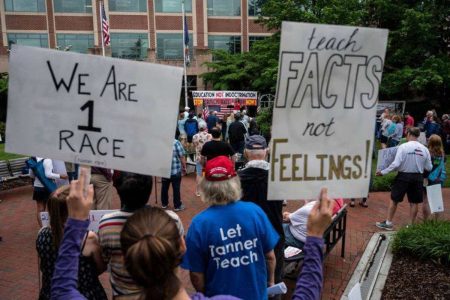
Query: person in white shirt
[[411, 159], [40, 193]]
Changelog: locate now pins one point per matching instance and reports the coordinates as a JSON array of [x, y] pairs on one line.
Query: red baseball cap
[[219, 168]]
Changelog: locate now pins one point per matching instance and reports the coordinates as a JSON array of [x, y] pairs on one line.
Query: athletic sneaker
[[384, 226], [179, 208], [164, 207]]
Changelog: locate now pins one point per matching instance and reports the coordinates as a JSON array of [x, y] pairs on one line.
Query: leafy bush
[[427, 241]]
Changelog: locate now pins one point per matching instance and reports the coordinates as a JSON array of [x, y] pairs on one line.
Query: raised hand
[[78, 204], [320, 217]]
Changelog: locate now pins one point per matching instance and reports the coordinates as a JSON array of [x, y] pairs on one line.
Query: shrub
[[427, 241]]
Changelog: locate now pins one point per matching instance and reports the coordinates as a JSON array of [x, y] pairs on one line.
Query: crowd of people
[[235, 248]]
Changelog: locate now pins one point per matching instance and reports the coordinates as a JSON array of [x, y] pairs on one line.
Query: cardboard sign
[[355, 293], [92, 110], [434, 195], [94, 218], [324, 111], [386, 157], [60, 168]]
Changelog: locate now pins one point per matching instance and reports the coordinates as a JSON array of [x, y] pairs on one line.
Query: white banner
[[94, 218], [92, 110], [324, 111]]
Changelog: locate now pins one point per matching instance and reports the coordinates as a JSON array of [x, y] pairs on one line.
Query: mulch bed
[[410, 278]]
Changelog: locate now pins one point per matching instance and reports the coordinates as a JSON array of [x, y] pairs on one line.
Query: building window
[[73, 6], [25, 5], [75, 42], [231, 44], [28, 39], [129, 45], [254, 7], [128, 5], [224, 7], [172, 6], [170, 46], [253, 39]]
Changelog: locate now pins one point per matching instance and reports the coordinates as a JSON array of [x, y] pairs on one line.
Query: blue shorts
[[199, 168]]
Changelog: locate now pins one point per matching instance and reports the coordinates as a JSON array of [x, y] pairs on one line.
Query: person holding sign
[[411, 160], [41, 190], [437, 174], [49, 241]]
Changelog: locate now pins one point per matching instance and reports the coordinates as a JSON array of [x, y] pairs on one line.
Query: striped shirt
[[109, 235]]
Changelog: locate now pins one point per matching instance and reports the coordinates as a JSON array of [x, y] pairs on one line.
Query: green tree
[[417, 65]]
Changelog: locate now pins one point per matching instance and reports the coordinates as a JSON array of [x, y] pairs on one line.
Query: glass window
[[224, 42], [129, 45], [73, 6], [170, 46], [28, 39], [75, 42], [254, 7], [172, 6], [25, 5], [253, 39], [224, 7], [128, 5]]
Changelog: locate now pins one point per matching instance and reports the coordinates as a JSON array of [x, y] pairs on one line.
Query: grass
[[428, 241], [6, 156]]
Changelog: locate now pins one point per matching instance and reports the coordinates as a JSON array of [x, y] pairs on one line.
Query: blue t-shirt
[[228, 245]]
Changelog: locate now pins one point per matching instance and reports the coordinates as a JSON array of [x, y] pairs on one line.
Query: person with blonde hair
[[231, 242], [48, 244], [435, 175]]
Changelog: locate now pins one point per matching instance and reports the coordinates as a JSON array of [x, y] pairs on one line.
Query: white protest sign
[[422, 139], [92, 110], [94, 218], [324, 111], [59, 168], [434, 195], [355, 293], [386, 157]]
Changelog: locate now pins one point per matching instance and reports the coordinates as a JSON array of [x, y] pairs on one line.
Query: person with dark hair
[[134, 191], [64, 281], [236, 133], [49, 241], [411, 160], [216, 147]]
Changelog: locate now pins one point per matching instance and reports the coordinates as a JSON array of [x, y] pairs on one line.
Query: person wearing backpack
[[41, 170], [437, 175], [191, 127]]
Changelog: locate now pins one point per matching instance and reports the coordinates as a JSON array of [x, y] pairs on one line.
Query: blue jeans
[[290, 240], [176, 184]]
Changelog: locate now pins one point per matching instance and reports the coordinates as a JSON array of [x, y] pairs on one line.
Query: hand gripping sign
[[92, 110], [324, 111]]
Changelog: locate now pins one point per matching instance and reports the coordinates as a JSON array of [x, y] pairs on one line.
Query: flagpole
[[101, 27], [184, 55]]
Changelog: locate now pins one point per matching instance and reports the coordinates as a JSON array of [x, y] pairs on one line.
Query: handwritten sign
[[324, 111], [92, 110], [386, 157], [94, 218], [434, 194]]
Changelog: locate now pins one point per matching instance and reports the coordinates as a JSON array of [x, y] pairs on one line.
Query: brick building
[[148, 30]]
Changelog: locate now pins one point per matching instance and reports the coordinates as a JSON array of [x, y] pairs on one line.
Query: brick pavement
[[18, 227]]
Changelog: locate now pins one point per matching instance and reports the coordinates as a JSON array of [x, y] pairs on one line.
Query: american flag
[[205, 113], [221, 109], [105, 26]]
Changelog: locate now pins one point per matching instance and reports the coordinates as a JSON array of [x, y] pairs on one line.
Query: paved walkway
[[19, 265]]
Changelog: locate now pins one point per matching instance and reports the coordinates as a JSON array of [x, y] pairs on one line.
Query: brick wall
[[84, 23]]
